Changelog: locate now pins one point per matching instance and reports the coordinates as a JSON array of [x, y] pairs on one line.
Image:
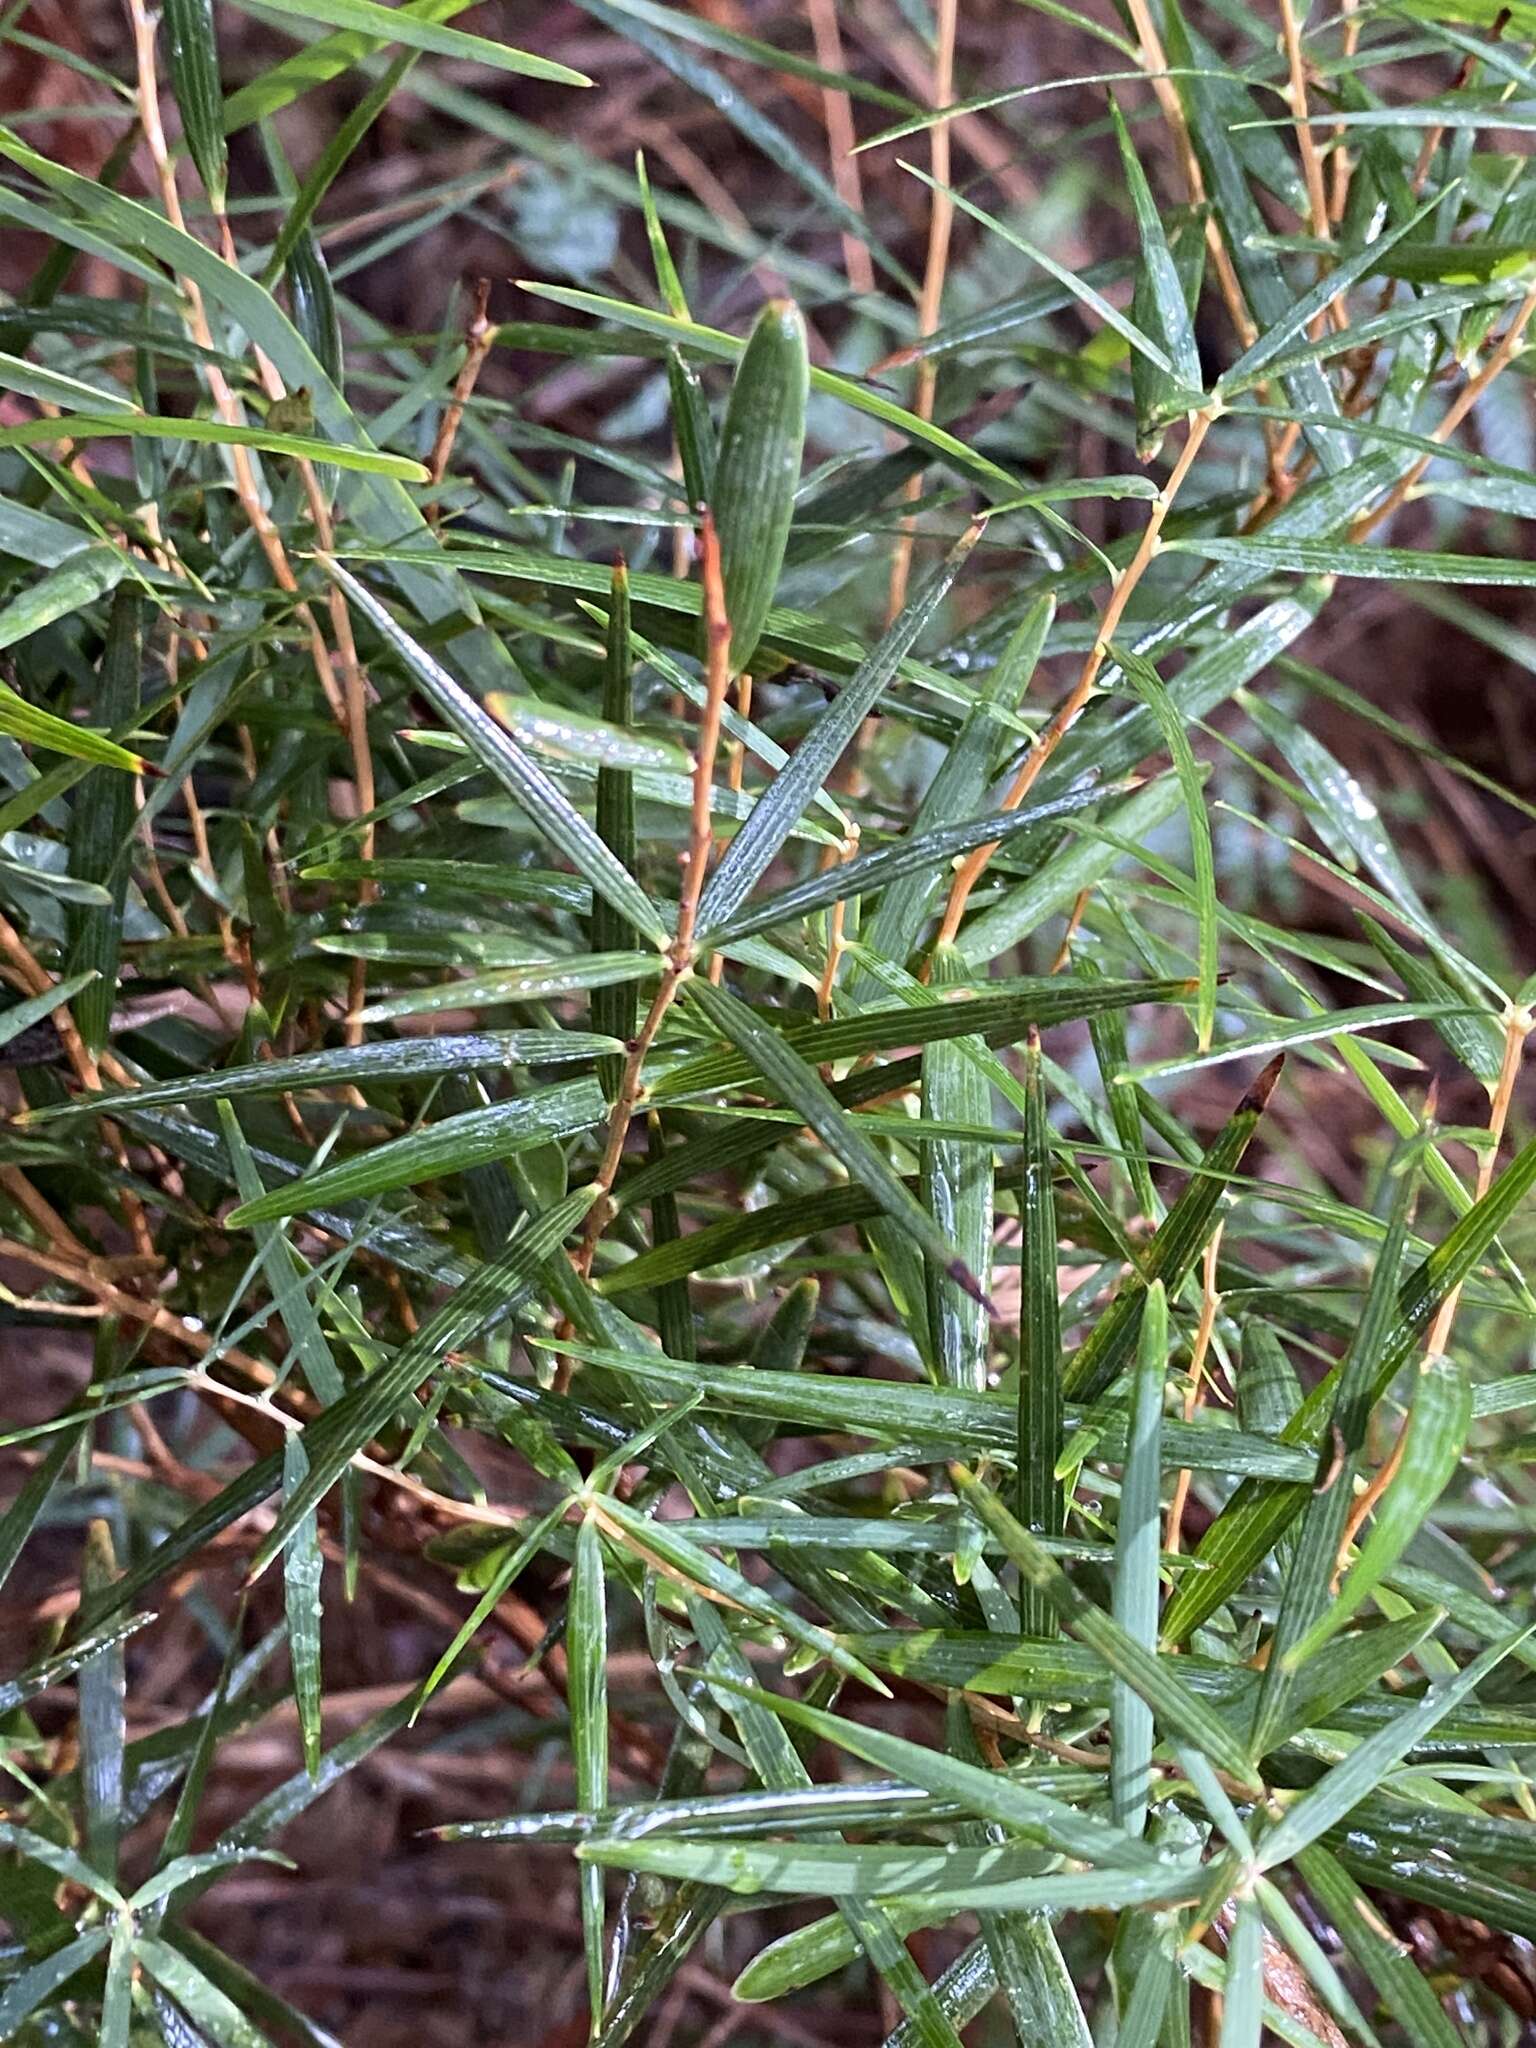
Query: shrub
[[727, 1106]]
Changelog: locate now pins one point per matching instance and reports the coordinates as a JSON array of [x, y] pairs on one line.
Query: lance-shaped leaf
[[752, 490], [1002, 1018], [340, 1431], [1333, 1796], [99, 826], [392, 1061], [1435, 1435], [957, 790], [1041, 1503], [615, 1008], [397, 25], [957, 1193], [302, 1563], [782, 806], [547, 807], [1137, 1541], [1181, 1236], [1149, 686], [925, 854], [587, 1641], [473, 1138], [192, 46], [103, 1694], [798, 1084]]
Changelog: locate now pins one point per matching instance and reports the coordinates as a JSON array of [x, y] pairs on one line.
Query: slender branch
[[1502, 356], [1518, 1026], [975, 864], [1210, 1306], [479, 335], [680, 954], [837, 118]]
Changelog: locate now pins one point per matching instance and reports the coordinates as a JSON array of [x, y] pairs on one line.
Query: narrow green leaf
[[615, 1008], [1342, 1789], [587, 1649], [754, 848], [117, 1992], [1435, 1436], [1256, 1515], [1149, 686], [1137, 1543], [192, 47], [926, 854], [500, 755], [1398, 1977], [100, 823], [103, 1694], [391, 1061], [397, 25], [143, 426], [476, 1137], [201, 1999], [347, 1425], [990, 1795], [1306, 1593], [1041, 1502], [302, 1563], [802, 1088], [1152, 1678], [1242, 2012], [722, 347], [957, 1193], [752, 493], [37, 1983], [1171, 1257]]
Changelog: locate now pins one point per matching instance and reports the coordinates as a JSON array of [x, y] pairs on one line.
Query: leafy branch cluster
[[671, 1089]]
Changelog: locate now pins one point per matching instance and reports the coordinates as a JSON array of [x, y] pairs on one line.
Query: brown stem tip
[[1261, 1090]]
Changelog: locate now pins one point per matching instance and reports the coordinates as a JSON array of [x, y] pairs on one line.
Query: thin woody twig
[[975, 864], [1502, 356], [479, 336], [837, 118], [1518, 1026], [680, 955]]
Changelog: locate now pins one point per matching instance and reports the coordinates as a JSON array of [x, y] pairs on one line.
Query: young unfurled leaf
[[752, 491]]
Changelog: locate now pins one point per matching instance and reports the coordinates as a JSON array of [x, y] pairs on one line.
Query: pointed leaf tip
[[1257, 1097]]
